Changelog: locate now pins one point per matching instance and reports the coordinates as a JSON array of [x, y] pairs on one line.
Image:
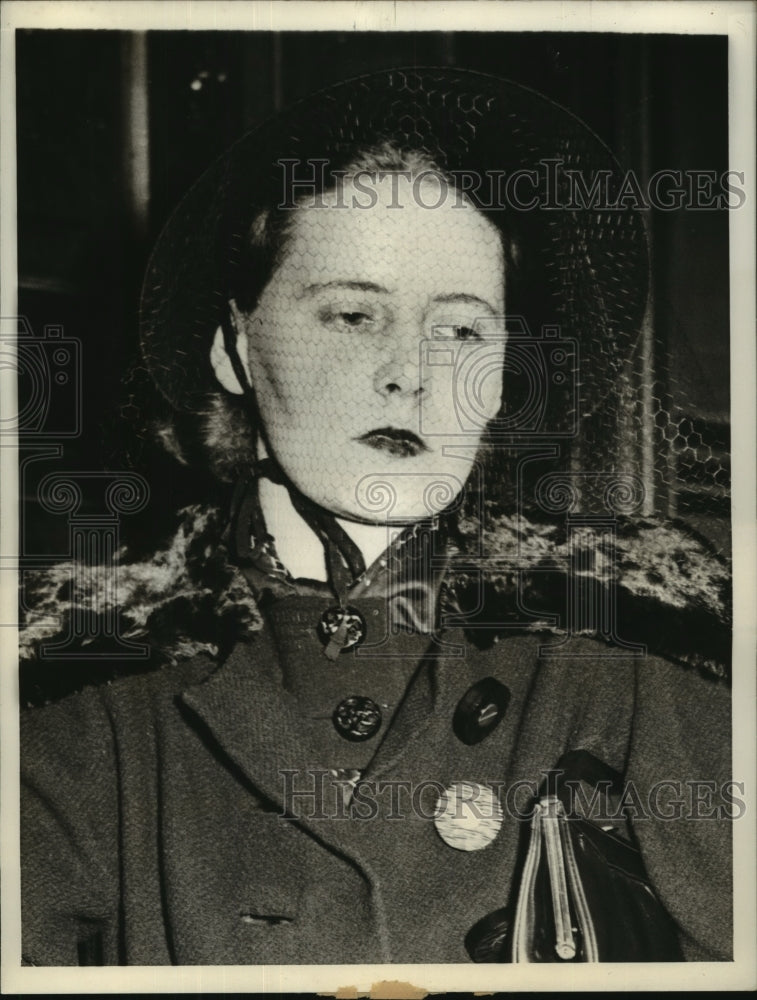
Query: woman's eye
[[456, 331], [465, 333], [351, 319], [461, 332], [354, 318]]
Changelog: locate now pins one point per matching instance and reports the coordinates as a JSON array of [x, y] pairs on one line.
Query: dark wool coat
[[159, 825]]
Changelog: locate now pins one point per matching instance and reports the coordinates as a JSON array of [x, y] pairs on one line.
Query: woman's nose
[[401, 372], [398, 378]]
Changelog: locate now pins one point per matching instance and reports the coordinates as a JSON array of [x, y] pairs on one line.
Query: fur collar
[[672, 593]]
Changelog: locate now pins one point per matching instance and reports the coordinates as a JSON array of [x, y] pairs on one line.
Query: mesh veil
[[589, 423]]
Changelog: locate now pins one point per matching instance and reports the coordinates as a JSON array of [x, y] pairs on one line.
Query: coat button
[[357, 718], [468, 816], [480, 710], [341, 629]]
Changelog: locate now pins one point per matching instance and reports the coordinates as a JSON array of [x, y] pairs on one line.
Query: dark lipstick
[[395, 441]]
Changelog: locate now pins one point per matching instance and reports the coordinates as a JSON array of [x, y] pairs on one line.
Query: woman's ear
[[219, 358]]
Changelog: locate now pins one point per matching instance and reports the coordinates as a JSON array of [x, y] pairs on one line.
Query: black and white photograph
[[378, 528]]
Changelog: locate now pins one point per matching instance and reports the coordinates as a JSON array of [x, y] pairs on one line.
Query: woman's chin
[[414, 490]]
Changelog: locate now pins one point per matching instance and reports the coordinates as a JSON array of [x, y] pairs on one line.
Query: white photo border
[[734, 19]]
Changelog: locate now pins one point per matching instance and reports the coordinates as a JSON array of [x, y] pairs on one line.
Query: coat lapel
[[256, 723]]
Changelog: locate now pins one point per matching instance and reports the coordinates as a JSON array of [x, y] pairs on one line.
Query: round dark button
[[357, 718], [480, 710], [341, 629]]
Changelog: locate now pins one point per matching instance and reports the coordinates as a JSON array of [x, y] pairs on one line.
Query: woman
[[356, 761]]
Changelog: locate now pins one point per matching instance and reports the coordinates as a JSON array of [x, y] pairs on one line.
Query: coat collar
[[672, 590]]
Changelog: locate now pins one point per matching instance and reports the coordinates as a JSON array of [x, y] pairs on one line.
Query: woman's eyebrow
[[370, 286], [464, 297], [353, 286]]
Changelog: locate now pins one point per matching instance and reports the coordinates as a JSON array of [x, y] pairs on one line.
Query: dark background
[[86, 221]]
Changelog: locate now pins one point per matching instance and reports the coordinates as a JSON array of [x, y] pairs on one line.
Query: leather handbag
[[581, 893]]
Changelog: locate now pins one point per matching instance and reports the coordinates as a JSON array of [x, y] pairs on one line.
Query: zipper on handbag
[[551, 812]]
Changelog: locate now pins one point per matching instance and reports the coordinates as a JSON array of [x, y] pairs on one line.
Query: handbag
[[582, 893]]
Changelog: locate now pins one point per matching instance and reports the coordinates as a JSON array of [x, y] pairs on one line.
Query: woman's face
[[376, 349]]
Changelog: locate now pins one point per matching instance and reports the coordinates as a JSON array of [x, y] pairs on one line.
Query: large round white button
[[468, 816]]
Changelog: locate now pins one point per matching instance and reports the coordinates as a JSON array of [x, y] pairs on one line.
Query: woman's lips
[[394, 441]]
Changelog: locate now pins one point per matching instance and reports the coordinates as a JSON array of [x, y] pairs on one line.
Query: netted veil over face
[[576, 375], [579, 273]]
